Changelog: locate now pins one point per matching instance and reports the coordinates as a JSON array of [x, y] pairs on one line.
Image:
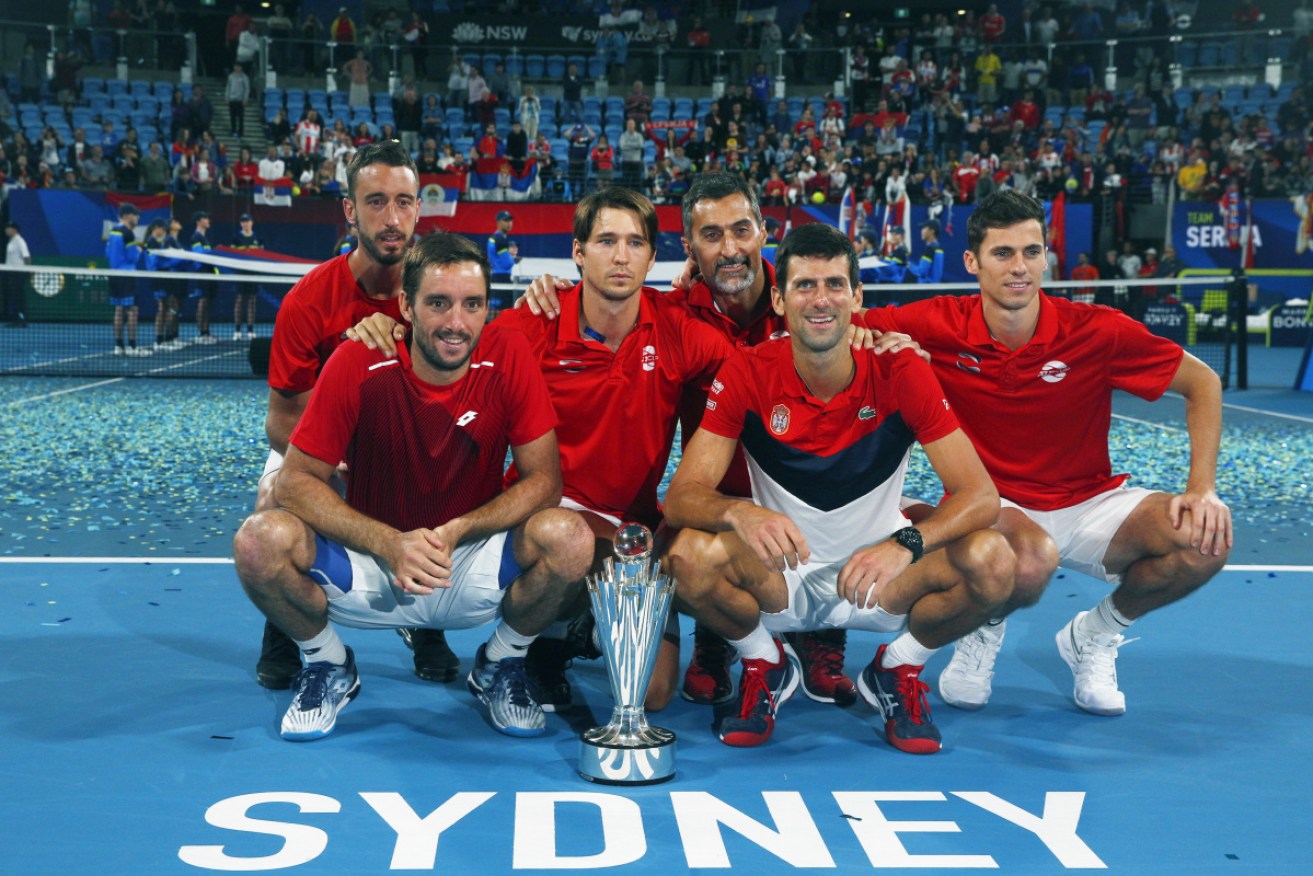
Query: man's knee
[[1036, 560], [989, 566], [266, 543], [563, 540]]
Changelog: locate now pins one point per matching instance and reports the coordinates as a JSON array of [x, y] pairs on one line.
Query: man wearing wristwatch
[[827, 432]]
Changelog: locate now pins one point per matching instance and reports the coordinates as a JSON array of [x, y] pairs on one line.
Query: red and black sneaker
[[898, 694], [706, 681], [763, 688], [820, 656]]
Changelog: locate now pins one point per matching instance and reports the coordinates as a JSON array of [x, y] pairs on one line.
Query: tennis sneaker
[[505, 688], [1093, 661], [965, 682], [546, 662], [237, 335], [763, 688], [707, 681], [898, 694], [280, 659], [322, 692], [820, 657], [434, 659]]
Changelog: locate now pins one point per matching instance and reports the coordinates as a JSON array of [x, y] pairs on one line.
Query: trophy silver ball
[[632, 543]]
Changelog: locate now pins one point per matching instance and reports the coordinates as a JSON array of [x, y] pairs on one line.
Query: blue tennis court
[[136, 742]]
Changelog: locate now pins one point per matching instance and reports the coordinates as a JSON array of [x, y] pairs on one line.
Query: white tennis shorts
[[1083, 532], [361, 594], [815, 604]]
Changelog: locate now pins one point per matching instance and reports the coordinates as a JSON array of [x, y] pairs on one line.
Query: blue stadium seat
[[683, 108], [549, 106], [534, 66], [148, 104], [490, 62], [704, 106], [381, 99], [501, 117], [124, 103], [593, 105], [555, 66], [116, 86], [1210, 54], [514, 65], [99, 104], [273, 97], [139, 88], [1187, 53], [164, 90], [580, 61], [455, 117], [295, 95], [92, 85], [661, 108], [596, 67]]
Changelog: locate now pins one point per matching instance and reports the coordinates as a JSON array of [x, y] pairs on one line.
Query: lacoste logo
[[968, 363], [867, 412], [564, 362], [775, 336]]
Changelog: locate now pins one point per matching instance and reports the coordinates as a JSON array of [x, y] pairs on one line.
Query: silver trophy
[[630, 599]]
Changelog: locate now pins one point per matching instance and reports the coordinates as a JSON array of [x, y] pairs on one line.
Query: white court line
[[1269, 413], [221, 561], [47, 395], [1148, 423]]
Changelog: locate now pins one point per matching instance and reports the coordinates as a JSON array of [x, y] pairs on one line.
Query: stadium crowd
[[940, 111]]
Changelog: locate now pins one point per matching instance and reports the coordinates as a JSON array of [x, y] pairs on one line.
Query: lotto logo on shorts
[[779, 419], [1053, 372]]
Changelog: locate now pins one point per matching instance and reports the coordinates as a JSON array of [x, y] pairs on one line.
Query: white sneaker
[[175, 344], [1093, 660], [118, 351], [965, 681], [140, 351], [207, 339], [237, 335]]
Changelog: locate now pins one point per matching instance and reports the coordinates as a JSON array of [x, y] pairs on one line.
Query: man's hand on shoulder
[[541, 296], [378, 331], [688, 275], [884, 342]]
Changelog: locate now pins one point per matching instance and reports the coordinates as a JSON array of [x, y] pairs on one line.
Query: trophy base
[[627, 765]]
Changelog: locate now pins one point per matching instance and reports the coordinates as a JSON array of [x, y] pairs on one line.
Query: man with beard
[[426, 534], [382, 204], [724, 235]]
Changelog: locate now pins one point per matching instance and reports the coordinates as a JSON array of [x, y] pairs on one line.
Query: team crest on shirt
[[779, 419], [649, 358], [717, 387], [1053, 371]]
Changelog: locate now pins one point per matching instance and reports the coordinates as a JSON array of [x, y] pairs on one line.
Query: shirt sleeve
[[727, 403], [1141, 363], [528, 401], [921, 399], [293, 358], [702, 349], [329, 422]]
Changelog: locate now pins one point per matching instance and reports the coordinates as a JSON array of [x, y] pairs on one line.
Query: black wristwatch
[[910, 538]]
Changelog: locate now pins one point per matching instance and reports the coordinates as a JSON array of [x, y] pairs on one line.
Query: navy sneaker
[[511, 699], [763, 688], [898, 694], [546, 662], [280, 659], [707, 681], [820, 656], [322, 692], [434, 659]]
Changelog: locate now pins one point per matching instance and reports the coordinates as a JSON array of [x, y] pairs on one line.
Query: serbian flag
[[848, 214], [273, 192], [1247, 263], [896, 213], [1057, 216], [439, 192], [495, 179], [1229, 207], [150, 208]]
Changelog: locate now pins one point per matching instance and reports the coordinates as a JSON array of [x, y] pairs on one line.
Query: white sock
[[327, 647], [505, 642], [1103, 620], [757, 645], [906, 651]]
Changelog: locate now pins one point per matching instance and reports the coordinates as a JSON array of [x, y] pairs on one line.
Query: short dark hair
[[389, 152], [14, 225], [1003, 209], [615, 198], [815, 240], [441, 248], [713, 187]]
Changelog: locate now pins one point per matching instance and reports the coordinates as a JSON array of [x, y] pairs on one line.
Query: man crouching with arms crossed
[[827, 433], [426, 537]]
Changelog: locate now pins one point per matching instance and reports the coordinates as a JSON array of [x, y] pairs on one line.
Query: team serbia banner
[[1214, 235]]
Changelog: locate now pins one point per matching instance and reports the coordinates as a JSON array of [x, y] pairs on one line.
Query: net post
[[1238, 306]]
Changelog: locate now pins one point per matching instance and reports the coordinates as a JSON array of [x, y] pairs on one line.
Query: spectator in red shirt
[[992, 25], [1026, 111]]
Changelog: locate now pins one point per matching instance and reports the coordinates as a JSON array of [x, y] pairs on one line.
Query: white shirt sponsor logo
[[1053, 371]]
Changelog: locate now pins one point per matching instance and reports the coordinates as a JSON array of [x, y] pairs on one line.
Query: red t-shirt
[[421, 454], [617, 410], [1039, 416], [321, 306], [693, 401], [834, 468]]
